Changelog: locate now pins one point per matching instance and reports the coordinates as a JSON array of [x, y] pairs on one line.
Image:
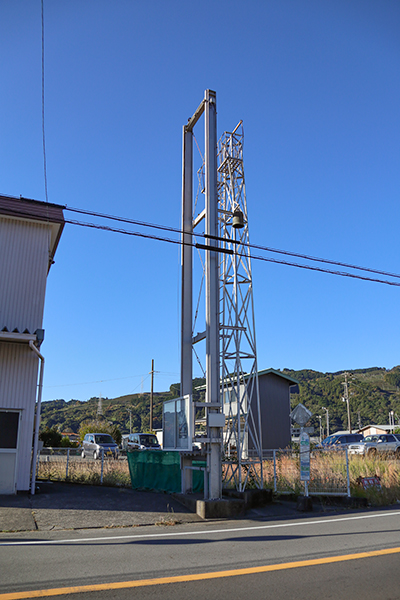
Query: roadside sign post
[[301, 415], [305, 459]]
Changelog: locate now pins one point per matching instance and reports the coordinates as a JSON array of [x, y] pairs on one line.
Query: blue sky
[[317, 85]]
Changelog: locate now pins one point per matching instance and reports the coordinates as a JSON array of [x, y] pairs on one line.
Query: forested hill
[[373, 393], [68, 416]]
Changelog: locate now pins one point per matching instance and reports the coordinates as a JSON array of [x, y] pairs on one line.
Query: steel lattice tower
[[226, 282], [238, 356]]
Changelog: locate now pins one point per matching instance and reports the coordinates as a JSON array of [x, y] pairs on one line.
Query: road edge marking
[[141, 536], [194, 577]]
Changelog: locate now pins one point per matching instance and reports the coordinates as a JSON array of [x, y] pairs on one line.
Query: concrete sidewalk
[[57, 506], [62, 506]]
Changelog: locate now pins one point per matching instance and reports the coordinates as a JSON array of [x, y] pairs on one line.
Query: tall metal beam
[[213, 394], [186, 265], [213, 484]]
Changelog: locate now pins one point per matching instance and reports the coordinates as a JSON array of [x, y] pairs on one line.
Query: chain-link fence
[[329, 472], [67, 464]]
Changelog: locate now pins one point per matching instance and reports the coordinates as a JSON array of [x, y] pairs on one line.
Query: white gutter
[[37, 422]]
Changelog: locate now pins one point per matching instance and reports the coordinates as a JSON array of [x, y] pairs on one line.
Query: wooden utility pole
[[151, 394], [130, 420], [346, 398]]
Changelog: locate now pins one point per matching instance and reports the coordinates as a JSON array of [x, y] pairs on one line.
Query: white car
[[142, 441]]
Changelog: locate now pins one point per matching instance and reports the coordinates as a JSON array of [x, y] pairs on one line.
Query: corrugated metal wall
[[18, 384], [275, 412], [24, 251]]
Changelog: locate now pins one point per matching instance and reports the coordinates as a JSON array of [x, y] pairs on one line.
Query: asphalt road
[[353, 556]]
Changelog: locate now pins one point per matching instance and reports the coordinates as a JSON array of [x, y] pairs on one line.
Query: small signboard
[[300, 415], [370, 482], [304, 456], [178, 423]]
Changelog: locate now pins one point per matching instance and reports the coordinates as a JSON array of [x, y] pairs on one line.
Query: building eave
[[36, 211], [261, 373]]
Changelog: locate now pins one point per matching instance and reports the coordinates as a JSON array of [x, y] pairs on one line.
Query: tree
[[66, 443], [393, 377], [50, 437], [100, 427]]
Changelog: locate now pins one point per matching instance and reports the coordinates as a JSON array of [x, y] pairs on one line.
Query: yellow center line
[[196, 577]]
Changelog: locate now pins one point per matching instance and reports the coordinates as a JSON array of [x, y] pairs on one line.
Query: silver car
[[95, 443], [385, 443]]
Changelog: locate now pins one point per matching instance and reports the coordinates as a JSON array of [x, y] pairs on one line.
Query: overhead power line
[[255, 257], [255, 246], [216, 249], [43, 134]]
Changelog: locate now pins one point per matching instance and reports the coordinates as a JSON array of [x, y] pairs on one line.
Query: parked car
[[142, 441], [340, 441], [95, 443], [373, 444]]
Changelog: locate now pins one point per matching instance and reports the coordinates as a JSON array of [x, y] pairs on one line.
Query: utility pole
[[130, 420], [151, 394], [346, 399], [391, 421], [100, 407], [327, 420]]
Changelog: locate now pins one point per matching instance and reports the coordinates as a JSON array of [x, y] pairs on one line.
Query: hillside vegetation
[[68, 416], [373, 392]]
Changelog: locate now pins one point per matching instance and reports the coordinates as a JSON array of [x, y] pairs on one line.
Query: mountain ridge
[[373, 393]]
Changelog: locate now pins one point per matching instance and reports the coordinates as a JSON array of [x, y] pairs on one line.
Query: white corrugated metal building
[[29, 234]]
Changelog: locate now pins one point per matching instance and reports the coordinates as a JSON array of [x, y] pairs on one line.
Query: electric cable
[[216, 249], [255, 246], [227, 250], [43, 129]]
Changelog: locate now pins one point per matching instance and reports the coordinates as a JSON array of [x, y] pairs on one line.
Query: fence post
[[348, 474], [102, 465], [275, 477], [66, 470]]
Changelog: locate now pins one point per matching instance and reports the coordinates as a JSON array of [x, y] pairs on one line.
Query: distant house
[[73, 437], [375, 429], [29, 235]]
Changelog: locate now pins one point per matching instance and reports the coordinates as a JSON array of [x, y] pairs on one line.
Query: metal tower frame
[[208, 106], [229, 313], [238, 358]]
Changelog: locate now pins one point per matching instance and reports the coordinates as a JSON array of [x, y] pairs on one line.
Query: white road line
[[123, 538]]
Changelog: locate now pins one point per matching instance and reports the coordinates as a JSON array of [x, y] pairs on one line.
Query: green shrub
[[51, 437], [100, 427]]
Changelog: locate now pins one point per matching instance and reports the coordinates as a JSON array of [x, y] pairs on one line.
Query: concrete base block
[[212, 509], [252, 498], [233, 503], [304, 504], [220, 509]]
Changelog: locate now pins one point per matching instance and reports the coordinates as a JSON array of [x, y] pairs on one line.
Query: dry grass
[[388, 471], [115, 472], [328, 475]]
